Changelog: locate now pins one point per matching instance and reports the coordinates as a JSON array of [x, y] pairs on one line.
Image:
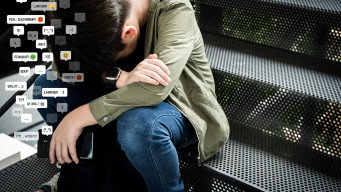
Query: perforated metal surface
[[284, 69], [26, 175], [308, 27]]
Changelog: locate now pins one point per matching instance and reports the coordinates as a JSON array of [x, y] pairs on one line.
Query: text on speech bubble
[[54, 92], [15, 86], [24, 57], [25, 19], [26, 136]]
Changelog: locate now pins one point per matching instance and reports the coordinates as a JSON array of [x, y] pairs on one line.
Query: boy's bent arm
[[174, 46]]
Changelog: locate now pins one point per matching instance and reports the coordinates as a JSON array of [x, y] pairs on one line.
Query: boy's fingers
[[152, 56], [73, 153], [52, 151], [160, 64], [59, 153], [65, 154]]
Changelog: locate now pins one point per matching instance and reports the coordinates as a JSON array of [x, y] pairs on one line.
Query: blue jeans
[[148, 136]]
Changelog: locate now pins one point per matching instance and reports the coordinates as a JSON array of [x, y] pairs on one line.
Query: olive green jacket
[[173, 34]]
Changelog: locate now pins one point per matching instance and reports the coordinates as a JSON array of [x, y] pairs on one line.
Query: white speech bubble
[[24, 71], [47, 130], [40, 69], [25, 19], [26, 136], [43, 6], [17, 111], [26, 118], [36, 103], [65, 55], [71, 29], [62, 107], [48, 30], [47, 56], [73, 77], [51, 75], [21, 1], [24, 57], [54, 92], [15, 86], [20, 99], [18, 30], [36, 90], [41, 44]]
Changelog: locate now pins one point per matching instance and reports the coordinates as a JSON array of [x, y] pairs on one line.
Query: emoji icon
[[33, 56], [51, 6], [40, 19], [65, 55]]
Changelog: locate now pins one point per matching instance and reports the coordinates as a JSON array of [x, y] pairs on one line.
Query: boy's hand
[[64, 138], [151, 70]]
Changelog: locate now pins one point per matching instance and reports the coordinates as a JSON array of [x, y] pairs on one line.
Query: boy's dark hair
[[98, 39]]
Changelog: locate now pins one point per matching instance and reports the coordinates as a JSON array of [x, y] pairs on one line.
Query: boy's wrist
[[121, 81]]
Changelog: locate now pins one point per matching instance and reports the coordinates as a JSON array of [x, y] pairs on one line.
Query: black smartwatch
[[111, 76]]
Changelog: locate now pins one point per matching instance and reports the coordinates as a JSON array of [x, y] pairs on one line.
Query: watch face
[[113, 73]]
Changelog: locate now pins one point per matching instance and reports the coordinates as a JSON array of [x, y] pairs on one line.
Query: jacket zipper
[[198, 157]]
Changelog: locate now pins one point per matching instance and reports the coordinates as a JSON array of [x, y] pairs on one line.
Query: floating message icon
[[35, 103], [15, 86], [26, 118], [36, 90], [41, 44], [20, 99], [26, 19], [18, 30], [21, 1], [71, 29], [40, 69], [15, 42], [57, 23], [24, 71], [62, 107], [32, 35], [47, 130], [65, 55], [47, 56], [64, 4], [54, 92], [74, 65], [48, 30], [73, 77], [60, 40], [26, 136], [51, 118], [24, 57], [43, 6], [17, 111], [51, 75], [80, 17]]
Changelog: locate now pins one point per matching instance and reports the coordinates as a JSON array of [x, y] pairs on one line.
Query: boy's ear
[[128, 32]]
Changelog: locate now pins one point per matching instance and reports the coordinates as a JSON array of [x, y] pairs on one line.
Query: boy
[[165, 103]]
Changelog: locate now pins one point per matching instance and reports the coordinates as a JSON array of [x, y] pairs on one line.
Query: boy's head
[[98, 42]]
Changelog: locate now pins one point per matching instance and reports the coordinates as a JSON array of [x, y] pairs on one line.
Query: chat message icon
[[26, 118], [18, 30], [80, 17], [32, 35], [40, 69], [51, 75], [36, 90], [15, 86], [17, 111], [15, 42], [60, 40], [21, 1], [51, 118], [71, 29], [62, 107], [24, 71], [64, 4], [65, 55], [47, 130], [20, 99], [74, 65], [56, 23], [47, 56], [41, 44], [48, 30]]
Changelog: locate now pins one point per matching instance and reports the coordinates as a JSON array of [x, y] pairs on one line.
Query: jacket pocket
[[207, 99]]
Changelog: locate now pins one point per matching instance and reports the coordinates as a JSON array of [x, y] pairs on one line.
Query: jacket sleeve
[[174, 46]]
